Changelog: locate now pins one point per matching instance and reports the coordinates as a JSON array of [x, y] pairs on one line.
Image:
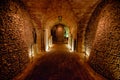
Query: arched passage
[[69, 32], [60, 33], [17, 36]]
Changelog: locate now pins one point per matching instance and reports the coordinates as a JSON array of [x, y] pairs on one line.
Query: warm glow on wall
[[46, 39], [72, 44], [31, 53], [69, 47], [59, 29], [88, 53], [50, 41]]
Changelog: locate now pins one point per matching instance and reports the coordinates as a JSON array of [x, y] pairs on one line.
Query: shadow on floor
[[59, 66]]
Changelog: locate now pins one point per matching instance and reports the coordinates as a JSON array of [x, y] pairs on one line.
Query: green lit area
[[66, 33]]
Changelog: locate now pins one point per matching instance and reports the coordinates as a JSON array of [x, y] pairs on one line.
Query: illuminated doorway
[[60, 33]]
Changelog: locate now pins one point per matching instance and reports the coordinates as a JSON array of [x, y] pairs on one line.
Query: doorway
[[59, 34]]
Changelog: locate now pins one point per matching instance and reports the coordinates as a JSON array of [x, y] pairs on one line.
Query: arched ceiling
[[46, 12]]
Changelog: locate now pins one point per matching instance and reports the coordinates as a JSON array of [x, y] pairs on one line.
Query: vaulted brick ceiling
[[47, 11]]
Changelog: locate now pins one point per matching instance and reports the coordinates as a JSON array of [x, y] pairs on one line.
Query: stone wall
[[105, 51], [92, 26], [15, 38], [82, 24]]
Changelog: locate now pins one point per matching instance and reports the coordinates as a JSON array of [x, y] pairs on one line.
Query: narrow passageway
[[59, 39], [60, 64]]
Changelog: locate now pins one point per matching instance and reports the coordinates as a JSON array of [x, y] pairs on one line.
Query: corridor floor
[[61, 64]]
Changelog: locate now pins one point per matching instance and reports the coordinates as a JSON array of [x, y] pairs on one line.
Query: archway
[[60, 33]]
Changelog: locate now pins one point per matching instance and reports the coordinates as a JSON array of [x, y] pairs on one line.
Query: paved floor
[[59, 64]]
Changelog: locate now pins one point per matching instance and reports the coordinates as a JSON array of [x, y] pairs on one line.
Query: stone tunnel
[[29, 28]]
